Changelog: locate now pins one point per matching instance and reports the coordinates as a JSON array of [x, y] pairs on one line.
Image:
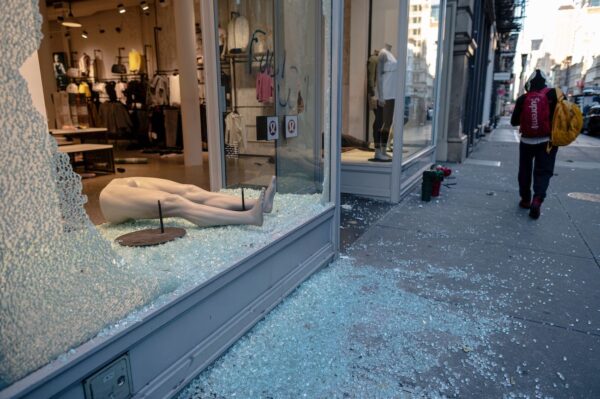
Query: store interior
[[110, 75], [111, 99], [371, 28]]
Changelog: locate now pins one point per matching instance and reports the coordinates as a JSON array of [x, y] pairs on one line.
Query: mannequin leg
[[199, 195], [388, 119], [120, 203], [378, 111], [233, 203]]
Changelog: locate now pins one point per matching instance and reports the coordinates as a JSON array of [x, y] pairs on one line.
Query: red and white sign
[[272, 128], [291, 126]]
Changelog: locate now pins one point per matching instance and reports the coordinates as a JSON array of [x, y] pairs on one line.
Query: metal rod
[[162, 227], [243, 200]]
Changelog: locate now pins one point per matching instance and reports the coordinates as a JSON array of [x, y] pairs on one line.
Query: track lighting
[[121, 9], [69, 20], [84, 34], [144, 5]]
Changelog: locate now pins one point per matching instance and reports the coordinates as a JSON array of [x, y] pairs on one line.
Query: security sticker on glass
[[291, 126], [272, 128]]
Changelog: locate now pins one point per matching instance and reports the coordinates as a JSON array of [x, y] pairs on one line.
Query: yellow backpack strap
[[559, 94]]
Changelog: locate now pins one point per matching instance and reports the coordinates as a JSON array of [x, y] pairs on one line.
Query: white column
[[212, 78], [185, 35]]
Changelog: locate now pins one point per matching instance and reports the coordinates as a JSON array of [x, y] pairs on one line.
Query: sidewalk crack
[[578, 230]]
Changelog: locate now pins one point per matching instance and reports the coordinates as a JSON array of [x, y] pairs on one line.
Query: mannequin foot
[[381, 156], [256, 213], [270, 195]]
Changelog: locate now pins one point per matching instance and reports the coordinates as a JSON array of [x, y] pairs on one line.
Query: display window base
[[206, 288]]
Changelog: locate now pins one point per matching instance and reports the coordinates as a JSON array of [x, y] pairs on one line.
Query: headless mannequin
[[136, 198], [386, 92]]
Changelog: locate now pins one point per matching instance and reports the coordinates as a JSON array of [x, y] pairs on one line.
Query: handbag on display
[[119, 69]]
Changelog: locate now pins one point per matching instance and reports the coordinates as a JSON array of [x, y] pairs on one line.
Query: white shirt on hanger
[[238, 33], [174, 90]]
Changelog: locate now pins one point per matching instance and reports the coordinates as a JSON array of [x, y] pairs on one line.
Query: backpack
[[567, 121], [535, 116]]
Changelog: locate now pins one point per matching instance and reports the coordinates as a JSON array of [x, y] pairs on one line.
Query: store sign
[[501, 76], [291, 126], [272, 128]]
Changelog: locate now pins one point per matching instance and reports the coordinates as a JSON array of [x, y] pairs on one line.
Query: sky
[[535, 23]]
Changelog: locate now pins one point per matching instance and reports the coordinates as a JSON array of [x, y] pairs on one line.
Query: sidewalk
[[464, 297]]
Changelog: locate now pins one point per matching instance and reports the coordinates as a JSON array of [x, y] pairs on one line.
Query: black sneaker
[[535, 208]]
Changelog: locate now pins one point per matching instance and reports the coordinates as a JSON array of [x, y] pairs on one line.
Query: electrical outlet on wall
[[111, 382]]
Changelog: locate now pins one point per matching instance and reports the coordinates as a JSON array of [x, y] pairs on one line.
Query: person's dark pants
[[535, 160]]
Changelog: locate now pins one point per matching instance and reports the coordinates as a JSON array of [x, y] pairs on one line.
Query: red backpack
[[535, 115]]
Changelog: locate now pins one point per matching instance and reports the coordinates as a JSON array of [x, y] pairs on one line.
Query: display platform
[[207, 289]]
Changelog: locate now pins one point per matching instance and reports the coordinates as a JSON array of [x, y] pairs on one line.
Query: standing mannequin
[[386, 92]]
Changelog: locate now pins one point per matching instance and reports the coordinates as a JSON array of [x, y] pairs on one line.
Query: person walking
[[533, 114]]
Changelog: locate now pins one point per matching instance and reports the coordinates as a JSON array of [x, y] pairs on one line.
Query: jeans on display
[[534, 159]]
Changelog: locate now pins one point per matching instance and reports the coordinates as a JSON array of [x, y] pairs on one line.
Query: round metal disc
[[148, 237]]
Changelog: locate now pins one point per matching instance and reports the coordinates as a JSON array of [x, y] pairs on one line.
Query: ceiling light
[[84, 34], [121, 9], [70, 21], [144, 6]]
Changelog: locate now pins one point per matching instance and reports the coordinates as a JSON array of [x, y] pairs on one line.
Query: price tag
[[291, 126]]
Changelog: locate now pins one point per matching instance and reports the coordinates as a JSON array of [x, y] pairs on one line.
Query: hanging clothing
[[94, 119], [120, 88], [235, 131], [135, 61], [174, 90], [62, 114], [264, 87], [83, 120], [171, 126], [84, 89], [157, 126], [238, 34], [84, 65], [100, 88], [159, 90], [387, 66], [114, 116], [136, 93]]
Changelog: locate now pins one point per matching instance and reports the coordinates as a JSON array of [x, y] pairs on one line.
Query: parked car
[[591, 121]]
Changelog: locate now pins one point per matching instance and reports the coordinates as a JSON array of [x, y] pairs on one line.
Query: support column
[[464, 47], [185, 35]]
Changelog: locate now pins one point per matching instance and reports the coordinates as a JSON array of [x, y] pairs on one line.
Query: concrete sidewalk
[[464, 296]]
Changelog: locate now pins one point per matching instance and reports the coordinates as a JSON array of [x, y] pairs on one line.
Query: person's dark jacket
[[515, 120]]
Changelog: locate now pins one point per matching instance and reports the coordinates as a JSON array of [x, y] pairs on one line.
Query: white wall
[[357, 85]]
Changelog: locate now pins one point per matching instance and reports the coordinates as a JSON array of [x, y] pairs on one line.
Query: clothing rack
[[166, 72]]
